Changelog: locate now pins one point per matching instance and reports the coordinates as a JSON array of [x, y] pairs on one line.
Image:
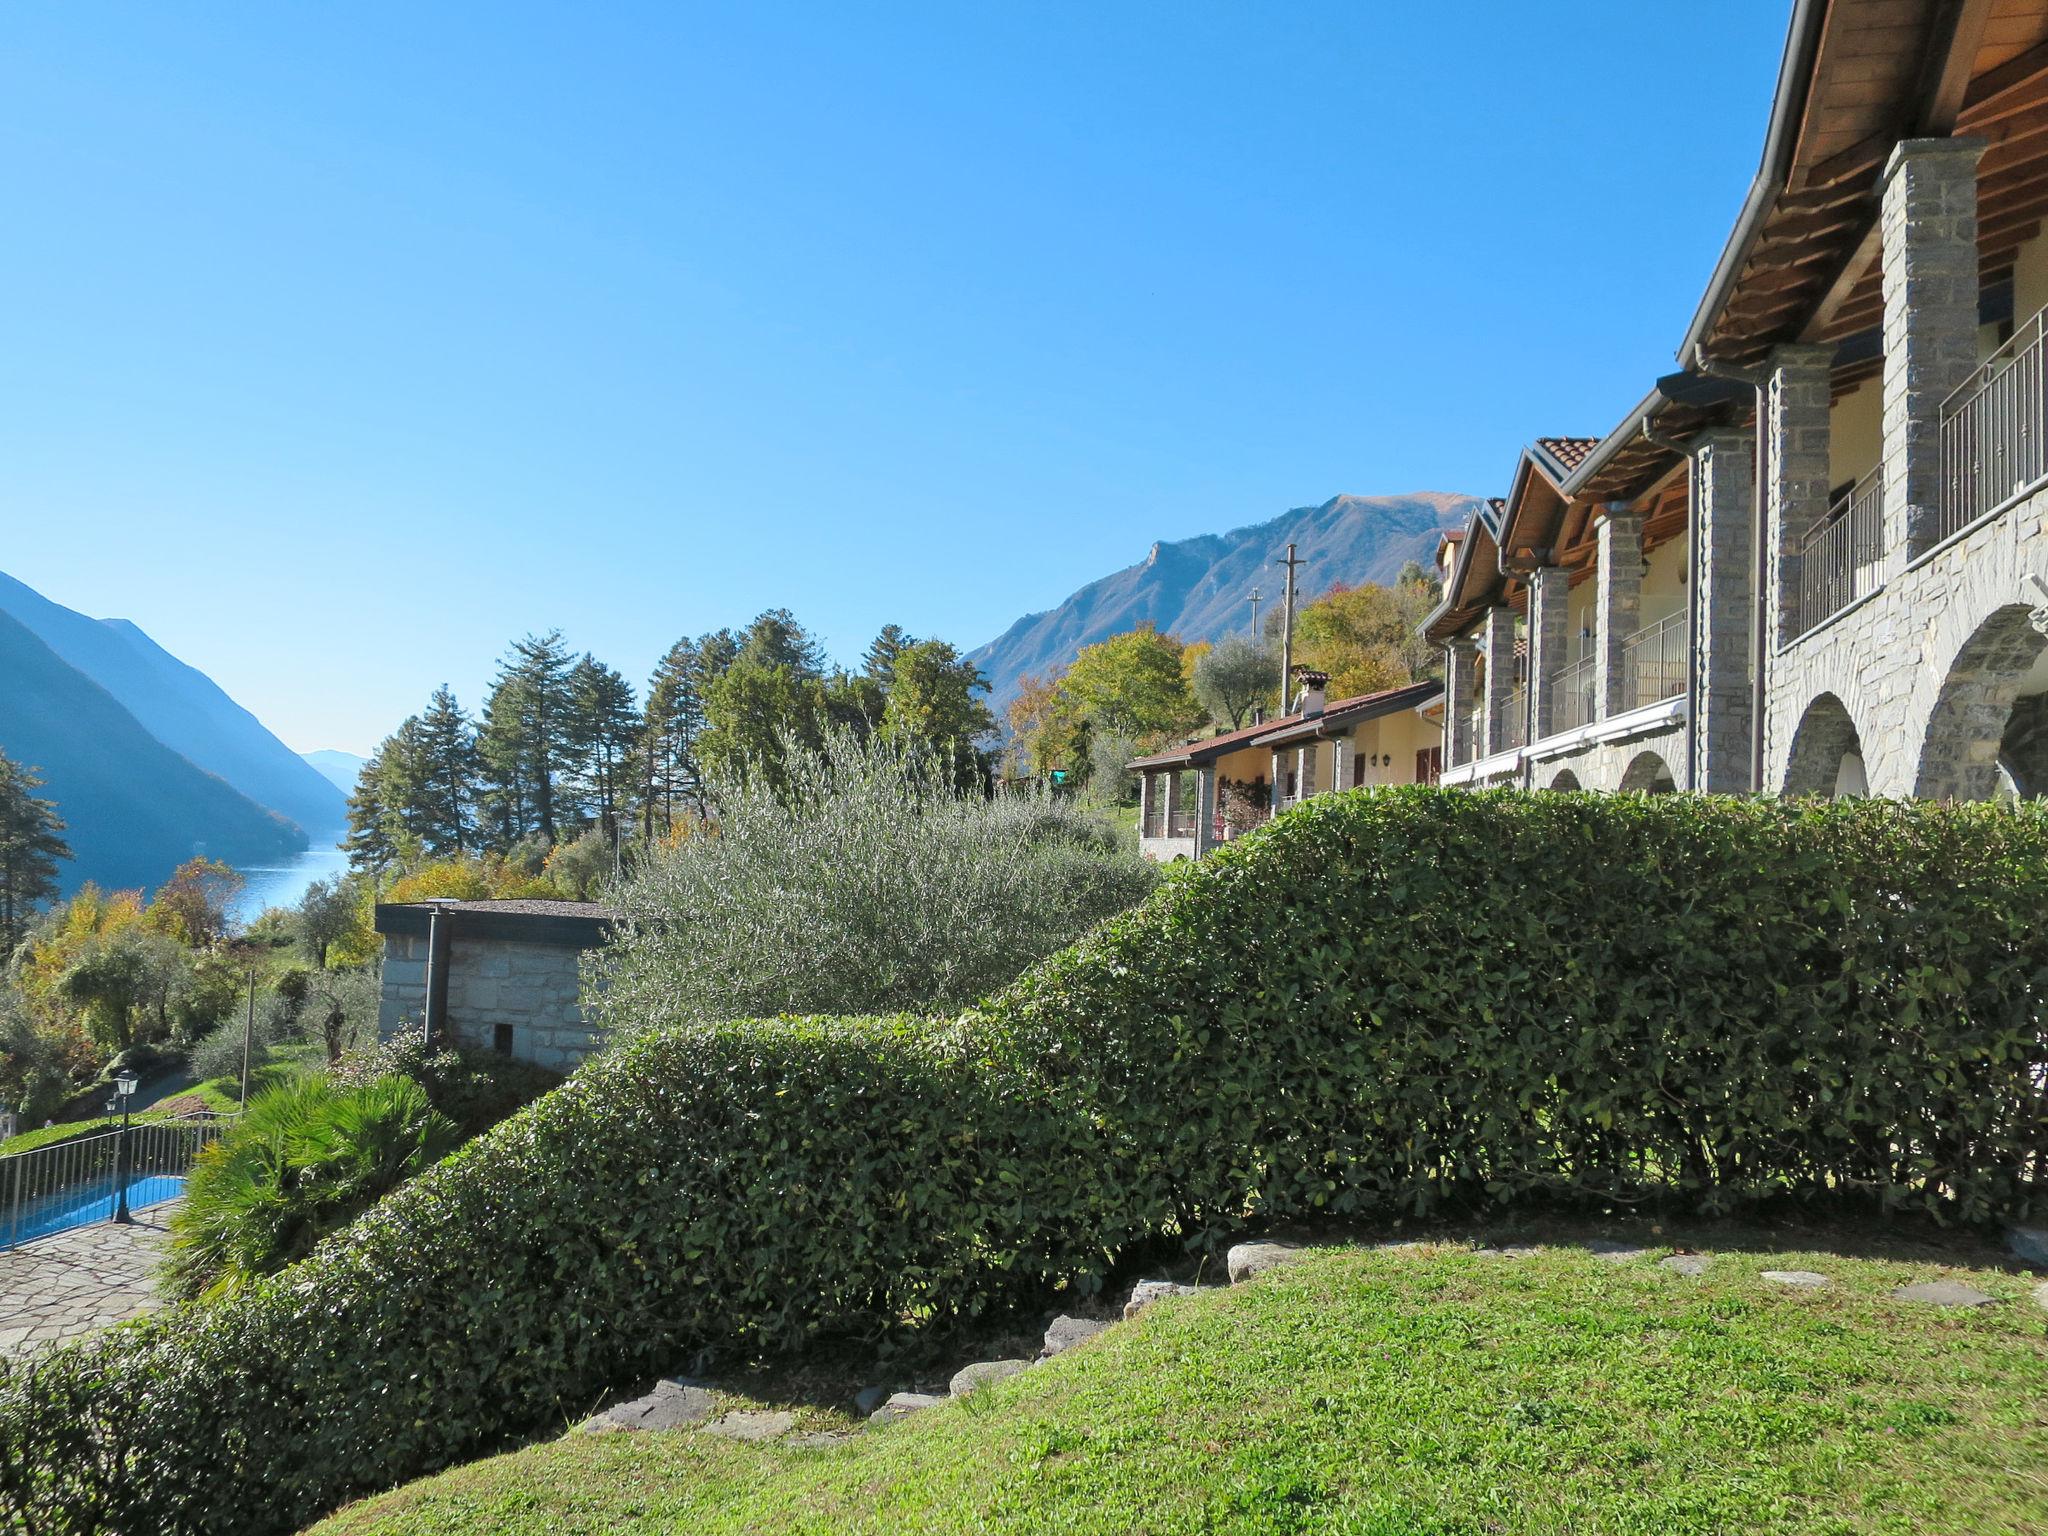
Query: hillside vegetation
[[1384, 1004], [1440, 1392]]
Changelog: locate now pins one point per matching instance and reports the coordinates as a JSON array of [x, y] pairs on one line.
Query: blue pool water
[[85, 1205]]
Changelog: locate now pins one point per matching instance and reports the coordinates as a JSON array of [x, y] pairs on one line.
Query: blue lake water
[[282, 884]]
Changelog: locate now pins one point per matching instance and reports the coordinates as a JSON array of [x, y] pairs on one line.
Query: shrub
[[867, 883], [218, 1055], [475, 1089], [1383, 1002], [304, 1160]]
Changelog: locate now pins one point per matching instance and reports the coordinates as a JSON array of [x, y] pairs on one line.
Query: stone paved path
[[59, 1287]]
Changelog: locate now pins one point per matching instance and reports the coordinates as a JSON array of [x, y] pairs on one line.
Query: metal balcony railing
[[1839, 560], [1515, 722], [1571, 696], [1994, 430], [1653, 662]]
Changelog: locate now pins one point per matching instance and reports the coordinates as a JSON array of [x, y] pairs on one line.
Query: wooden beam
[[1951, 87], [2011, 87], [1861, 261]]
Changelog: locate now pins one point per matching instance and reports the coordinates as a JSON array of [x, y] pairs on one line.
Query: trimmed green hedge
[[1395, 1001]]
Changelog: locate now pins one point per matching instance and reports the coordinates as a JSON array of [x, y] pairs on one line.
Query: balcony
[[1839, 559], [1515, 719], [1994, 431], [1571, 697], [1653, 663]]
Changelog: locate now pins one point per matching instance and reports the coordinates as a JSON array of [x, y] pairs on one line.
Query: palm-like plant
[[306, 1159]]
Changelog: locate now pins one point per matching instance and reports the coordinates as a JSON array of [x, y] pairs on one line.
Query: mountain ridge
[[1198, 588]]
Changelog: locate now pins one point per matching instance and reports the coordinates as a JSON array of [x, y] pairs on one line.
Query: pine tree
[[31, 847], [602, 726], [525, 743], [879, 660], [447, 774], [775, 639]]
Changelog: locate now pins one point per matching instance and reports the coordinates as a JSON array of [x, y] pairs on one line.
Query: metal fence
[[75, 1183], [1515, 719], [1840, 559], [1571, 696], [1653, 662], [1993, 430]]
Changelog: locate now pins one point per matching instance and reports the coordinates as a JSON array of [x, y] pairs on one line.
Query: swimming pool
[[84, 1205]]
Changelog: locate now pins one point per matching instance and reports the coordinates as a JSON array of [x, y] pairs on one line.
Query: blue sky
[[345, 343]]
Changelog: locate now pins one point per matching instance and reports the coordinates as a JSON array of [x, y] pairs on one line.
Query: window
[[1429, 765], [501, 1039]]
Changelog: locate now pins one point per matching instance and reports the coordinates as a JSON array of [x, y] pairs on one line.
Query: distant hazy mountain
[[1197, 588], [134, 808], [338, 768], [181, 707]]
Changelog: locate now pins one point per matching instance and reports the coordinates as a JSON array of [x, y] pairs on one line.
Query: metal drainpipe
[[1692, 599], [1758, 379]]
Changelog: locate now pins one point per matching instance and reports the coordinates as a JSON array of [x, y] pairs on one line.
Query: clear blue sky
[[345, 343]]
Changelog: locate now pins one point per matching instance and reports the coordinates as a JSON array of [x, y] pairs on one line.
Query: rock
[[1066, 1332], [818, 1438], [1945, 1293], [2027, 1244], [1247, 1260], [969, 1377], [751, 1426], [902, 1405], [1686, 1263], [1797, 1277], [602, 1424], [868, 1399], [673, 1404], [2041, 1295], [1511, 1251], [1613, 1252], [1149, 1291]]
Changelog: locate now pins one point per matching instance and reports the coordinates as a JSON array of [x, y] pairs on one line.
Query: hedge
[[1404, 1001]]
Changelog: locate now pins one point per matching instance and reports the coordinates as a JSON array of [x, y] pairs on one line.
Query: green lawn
[[222, 1095], [1388, 1392]]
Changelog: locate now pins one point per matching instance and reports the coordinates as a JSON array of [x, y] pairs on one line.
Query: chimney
[[1308, 703]]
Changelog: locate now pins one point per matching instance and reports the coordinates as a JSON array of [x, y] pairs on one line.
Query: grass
[[222, 1095], [1379, 1392]]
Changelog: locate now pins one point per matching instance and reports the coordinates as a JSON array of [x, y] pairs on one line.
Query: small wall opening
[[1827, 752], [1981, 740], [1648, 774], [1565, 779]]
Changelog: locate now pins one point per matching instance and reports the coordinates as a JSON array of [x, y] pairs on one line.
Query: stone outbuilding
[[502, 976]]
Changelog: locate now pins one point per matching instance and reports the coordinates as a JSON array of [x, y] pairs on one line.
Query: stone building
[[1812, 560], [501, 976]]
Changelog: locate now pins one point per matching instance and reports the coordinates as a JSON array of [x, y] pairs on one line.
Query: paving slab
[[751, 1426], [74, 1283], [1945, 1293], [1804, 1279], [1686, 1263]]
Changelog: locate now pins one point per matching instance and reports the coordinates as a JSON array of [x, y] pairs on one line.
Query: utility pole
[[1287, 629], [248, 1038], [1255, 600]]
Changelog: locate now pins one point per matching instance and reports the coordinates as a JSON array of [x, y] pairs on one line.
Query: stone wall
[[1927, 668], [534, 990]]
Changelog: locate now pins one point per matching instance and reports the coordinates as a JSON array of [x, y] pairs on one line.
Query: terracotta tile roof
[[1343, 713], [1209, 746], [1570, 452]]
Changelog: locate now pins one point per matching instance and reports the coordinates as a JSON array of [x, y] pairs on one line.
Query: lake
[[282, 884]]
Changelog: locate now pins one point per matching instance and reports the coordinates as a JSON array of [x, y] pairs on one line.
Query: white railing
[[1653, 662], [1840, 559], [1994, 430], [1571, 696]]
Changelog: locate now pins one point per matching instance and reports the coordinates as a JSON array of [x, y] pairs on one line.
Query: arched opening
[[1988, 733], [1648, 774], [1565, 779], [1827, 752]]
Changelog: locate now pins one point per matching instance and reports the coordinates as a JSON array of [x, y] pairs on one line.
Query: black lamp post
[[124, 1087]]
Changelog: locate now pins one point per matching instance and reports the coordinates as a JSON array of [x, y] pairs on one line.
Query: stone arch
[[1648, 774], [1565, 779], [1973, 727], [1823, 744]]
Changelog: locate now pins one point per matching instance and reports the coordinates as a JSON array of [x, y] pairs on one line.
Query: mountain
[[134, 809], [181, 707], [1197, 588], [338, 768]]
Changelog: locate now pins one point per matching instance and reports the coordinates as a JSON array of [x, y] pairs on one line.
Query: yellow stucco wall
[[1664, 580], [1855, 434], [2030, 279]]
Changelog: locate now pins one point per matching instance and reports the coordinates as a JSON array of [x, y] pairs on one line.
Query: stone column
[[1724, 478], [1205, 809], [1497, 645], [1340, 758], [1148, 786], [1929, 227], [1618, 608], [1796, 432], [1549, 595], [1461, 659]]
